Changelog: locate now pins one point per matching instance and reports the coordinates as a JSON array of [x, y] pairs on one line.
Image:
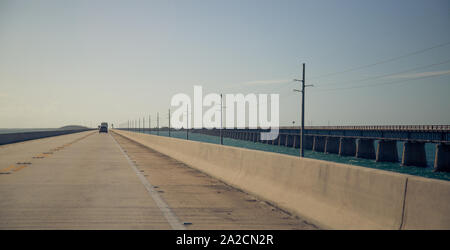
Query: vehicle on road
[[103, 128]]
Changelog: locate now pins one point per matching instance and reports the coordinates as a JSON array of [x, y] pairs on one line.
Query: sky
[[83, 62]]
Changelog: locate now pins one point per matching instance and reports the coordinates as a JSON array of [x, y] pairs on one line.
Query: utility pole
[[169, 122], [150, 124], [303, 110], [302, 154], [157, 122], [221, 124], [143, 124], [187, 122]]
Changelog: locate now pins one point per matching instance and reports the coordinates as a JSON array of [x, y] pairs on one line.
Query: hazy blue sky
[[83, 62]]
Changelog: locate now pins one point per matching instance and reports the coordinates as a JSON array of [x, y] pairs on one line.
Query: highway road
[[89, 180]]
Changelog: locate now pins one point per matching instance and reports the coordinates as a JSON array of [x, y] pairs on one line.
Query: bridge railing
[[381, 127]]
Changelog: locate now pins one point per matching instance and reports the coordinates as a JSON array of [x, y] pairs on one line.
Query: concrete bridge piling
[[442, 158], [319, 144], [308, 143], [281, 140], [347, 147], [289, 140], [276, 141], [365, 149], [414, 154], [332, 145], [387, 151]]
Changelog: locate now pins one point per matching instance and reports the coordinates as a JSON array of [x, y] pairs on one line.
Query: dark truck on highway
[[103, 128]]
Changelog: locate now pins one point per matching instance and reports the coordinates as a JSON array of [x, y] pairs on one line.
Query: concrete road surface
[[96, 181]]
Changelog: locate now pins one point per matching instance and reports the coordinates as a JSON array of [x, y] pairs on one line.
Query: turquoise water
[[388, 166]]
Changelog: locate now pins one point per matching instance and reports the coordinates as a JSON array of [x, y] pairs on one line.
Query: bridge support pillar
[[332, 145], [387, 151], [290, 141], [296, 141], [347, 147], [365, 149], [319, 143], [281, 140], [308, 143], [414, 154], [442, 158]]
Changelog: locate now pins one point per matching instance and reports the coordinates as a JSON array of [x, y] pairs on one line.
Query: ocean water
[[20, 130], [388, 166]]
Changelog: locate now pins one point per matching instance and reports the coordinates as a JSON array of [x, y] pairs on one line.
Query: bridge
[[129, 180], [359, 141], [87, 180]]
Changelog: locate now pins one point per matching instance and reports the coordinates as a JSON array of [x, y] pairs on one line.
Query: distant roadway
[[89, 180]]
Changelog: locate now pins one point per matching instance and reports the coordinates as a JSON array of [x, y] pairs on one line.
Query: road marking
[[18, 168], [162, 205], [5, 170], [12, 168]]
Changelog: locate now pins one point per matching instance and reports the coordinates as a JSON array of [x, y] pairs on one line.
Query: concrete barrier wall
[[331, 195], [427, 204], [25, 136]]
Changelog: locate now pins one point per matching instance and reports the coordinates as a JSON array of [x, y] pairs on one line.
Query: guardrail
[[379, 127]]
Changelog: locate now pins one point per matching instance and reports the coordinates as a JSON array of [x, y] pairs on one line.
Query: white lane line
[[162, 205]]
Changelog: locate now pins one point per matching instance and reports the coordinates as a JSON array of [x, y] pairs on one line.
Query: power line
[[379, 84], [382, 61], [390, 74]]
